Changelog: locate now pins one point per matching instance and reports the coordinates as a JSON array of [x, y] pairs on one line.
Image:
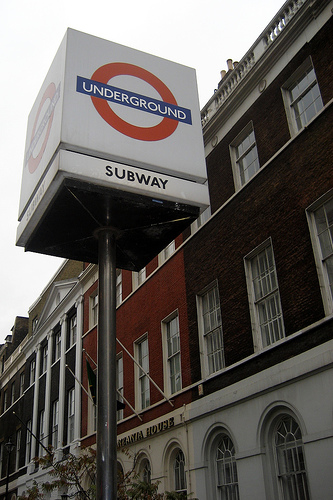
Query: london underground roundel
[[51, 94], [155, 133]]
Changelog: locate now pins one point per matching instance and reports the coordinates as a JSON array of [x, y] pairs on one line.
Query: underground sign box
[[114, 138]]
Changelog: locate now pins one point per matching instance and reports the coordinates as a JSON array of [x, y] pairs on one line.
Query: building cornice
[[273, 42]]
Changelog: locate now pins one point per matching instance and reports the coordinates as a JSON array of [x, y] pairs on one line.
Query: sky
[[202, 35]]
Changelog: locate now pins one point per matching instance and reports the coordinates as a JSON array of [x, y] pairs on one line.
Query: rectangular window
[[244, 156], [119, 287], [173, 368], [93, 309], [34, 324], [72, 325], [210, 326], [57, 346], [167, 252], [32, 371], [138, 278], [71, 415], [201, 220], [18, 448], [120, 385], [21, 384], [321, 227], [302, 97], [265, 304], [12, 394], [143, 360], [44, 358], [5, 400], [28, 442], [41, 432], [55, 423]]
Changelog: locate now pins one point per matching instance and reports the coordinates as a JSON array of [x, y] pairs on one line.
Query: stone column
[[78, 370], [62, 394], [31, 466], [47, 401]]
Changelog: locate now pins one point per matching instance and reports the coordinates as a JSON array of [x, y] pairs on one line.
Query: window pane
[[212, 326], [291, 469], [120, 385], [179, 471], [305, 98], [324, 226], [247, 157], [143, 379], [267, 297], [227, 480], [173, 343]]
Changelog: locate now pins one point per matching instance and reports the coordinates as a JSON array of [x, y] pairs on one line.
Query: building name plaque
[[150, 431]]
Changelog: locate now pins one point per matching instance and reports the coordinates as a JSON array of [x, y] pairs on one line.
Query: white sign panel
[[107, 174], [111, 102]]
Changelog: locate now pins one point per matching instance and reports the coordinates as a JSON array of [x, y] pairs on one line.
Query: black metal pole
[[106, 480]]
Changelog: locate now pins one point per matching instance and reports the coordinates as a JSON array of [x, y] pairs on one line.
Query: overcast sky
[[199, 34]]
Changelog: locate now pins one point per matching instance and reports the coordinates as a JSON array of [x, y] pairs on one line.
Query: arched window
[[226, 469], [145, 470], [120, 473], [179, 472], [291, 470]]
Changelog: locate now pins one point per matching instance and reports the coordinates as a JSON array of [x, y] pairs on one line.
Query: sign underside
[[143, 226]]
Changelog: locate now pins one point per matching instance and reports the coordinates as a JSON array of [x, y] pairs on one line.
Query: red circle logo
[[33, 162], [156, 133]]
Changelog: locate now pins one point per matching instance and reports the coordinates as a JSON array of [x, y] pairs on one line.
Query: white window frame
[[167, 252], [41, 430], [179, 471], [146, 471], [72, 325], [32, 371], [271, 297], [57, 345], [240, 174], [92, 417], [321, 261], [120, 383], [142, 380], [44, 358], [93, 309], [290, 105], [138, 278], [226, 468], [34, 324], [12, 393], [71, 415], [18, 448], [22, 383], [277, 449], [55, 423], [172, 355], [28, 442], [119, 287], [201, 220], [5, 400], [205, 335]]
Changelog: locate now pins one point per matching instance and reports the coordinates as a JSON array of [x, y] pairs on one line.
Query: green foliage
[[142, 490], [33, 493], [75, 476], [174, 495]]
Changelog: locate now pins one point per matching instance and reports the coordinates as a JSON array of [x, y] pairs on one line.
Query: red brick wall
[[273, 205]]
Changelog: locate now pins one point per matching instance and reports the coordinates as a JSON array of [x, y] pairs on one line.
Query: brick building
[[225, 339]]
